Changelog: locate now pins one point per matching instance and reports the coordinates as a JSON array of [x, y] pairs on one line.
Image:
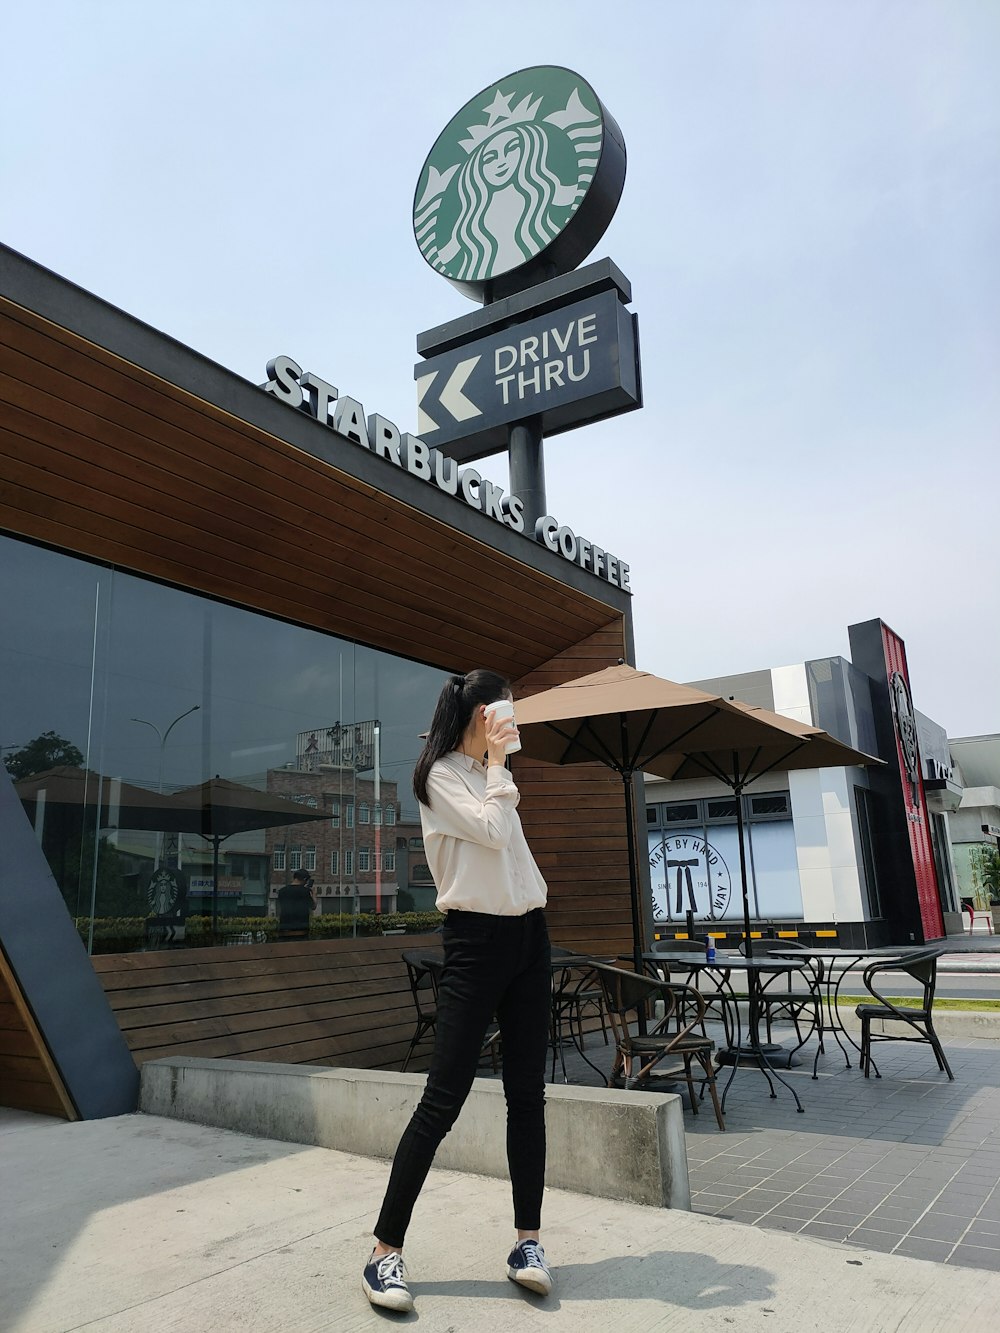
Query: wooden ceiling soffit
[[102, 456]]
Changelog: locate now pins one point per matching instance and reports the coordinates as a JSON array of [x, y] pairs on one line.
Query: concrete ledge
[[949, 1024], [601, 1141]]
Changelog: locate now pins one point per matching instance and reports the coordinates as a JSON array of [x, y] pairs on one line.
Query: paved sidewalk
[[140, 1224], [981, 940], [906, 1164]]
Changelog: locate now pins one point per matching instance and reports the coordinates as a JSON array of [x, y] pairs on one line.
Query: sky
[[809, 223]]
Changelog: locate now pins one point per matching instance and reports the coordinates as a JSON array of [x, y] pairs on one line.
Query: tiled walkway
[[907, 1164]]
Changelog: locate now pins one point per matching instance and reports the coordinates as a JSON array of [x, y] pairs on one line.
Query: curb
[[947, 1023]]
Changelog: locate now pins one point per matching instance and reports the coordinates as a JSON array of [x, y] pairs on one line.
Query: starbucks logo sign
[[906, 727], [521, 184]]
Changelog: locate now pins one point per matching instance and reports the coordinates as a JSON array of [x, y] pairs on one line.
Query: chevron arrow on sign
[[451, 397]]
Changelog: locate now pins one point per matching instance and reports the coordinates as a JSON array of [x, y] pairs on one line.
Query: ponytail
[[459, 699]]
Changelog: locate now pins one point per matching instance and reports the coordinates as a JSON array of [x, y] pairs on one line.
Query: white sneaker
[[384, 1282], [526, 1266]]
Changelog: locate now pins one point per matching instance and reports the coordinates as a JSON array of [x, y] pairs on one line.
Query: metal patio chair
[[672, 1044], [422, 969], [423, 988], [922, 966], [791, 1002], [574, 990]]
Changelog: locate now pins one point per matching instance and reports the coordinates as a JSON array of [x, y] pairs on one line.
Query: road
[[950, 985]]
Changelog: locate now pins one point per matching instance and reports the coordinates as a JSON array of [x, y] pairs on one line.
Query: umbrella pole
[[756, 1048], [633, 885], [738, 793], [633, 874]]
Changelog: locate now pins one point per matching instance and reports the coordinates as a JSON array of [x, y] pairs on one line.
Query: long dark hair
[[459, 699]]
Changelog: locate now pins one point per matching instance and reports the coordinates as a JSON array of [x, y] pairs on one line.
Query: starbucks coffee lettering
[[344, 416]]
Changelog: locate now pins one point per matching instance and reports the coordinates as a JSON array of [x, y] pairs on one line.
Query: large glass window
[[149, 729], [694, 859], [866, 826]]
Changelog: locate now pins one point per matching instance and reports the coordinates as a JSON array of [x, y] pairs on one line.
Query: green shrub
[[113, 934], [198, 929], [129, 934], [335, 926]]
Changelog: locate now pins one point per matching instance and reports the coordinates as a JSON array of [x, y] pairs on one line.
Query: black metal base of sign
[[527, 467]]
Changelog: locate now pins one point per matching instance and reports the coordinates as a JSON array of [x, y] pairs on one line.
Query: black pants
[[492, 965]]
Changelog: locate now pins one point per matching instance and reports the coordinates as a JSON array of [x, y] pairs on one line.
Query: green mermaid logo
[[508, 174]]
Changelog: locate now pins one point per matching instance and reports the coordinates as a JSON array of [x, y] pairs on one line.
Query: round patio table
[[724, 964], [839, 961]]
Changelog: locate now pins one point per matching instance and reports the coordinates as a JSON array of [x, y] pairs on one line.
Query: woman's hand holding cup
[[501, 732]]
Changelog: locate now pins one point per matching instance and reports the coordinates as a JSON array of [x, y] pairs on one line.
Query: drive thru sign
[[570, 366]]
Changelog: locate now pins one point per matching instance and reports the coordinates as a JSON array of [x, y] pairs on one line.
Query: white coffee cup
[[503, 708]]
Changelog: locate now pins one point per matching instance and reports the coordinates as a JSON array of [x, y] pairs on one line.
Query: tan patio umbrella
[[636, 722]]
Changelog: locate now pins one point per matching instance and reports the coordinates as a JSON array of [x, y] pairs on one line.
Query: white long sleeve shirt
[[475, 846]]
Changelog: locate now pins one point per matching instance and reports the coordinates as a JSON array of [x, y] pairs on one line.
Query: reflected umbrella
[[218, 809]]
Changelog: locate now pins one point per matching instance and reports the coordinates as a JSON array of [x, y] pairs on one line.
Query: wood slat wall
[[29, 1081], [574, 819], [325, 1002], [100, 457]]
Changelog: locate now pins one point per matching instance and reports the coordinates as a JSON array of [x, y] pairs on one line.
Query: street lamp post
[[162, 737]]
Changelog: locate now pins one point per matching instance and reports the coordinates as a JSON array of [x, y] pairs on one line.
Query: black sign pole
[[527, 467]]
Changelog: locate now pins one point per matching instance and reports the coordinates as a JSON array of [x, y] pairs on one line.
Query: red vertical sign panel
[[914, 801]]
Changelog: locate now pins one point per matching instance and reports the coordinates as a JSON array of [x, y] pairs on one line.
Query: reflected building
[[351, 852]]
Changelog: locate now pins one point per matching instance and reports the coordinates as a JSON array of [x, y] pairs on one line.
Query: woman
[[496, 961]]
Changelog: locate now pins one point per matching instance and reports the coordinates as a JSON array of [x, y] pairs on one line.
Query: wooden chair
[[717, 998], [671, 1043], [922, 966]]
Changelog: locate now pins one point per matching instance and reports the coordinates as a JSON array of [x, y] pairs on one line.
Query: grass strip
[[913, 1002]]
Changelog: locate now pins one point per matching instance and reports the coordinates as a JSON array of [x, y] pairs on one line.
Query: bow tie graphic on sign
[[684, 878], [688, 874]]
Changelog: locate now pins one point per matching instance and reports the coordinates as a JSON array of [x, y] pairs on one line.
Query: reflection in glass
[[123, 697]]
